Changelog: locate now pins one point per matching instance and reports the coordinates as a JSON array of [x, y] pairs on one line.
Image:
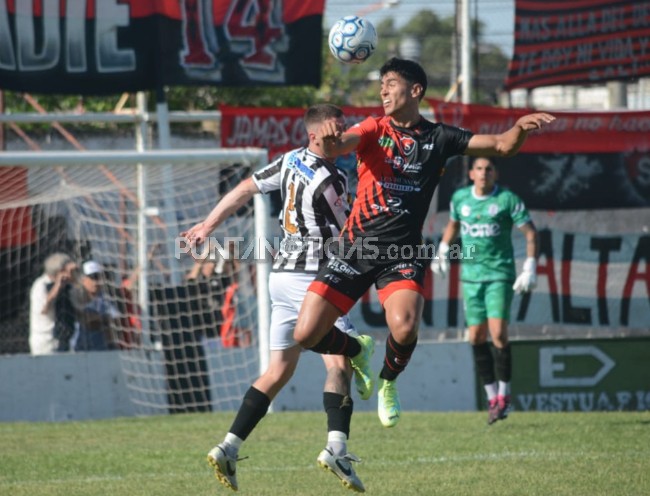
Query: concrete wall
[[72, 386], [91, 385]]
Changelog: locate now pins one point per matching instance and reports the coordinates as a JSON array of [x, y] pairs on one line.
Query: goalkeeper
[[484, 214]]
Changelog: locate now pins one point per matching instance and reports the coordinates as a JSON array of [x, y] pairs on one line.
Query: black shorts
[[345, 279]]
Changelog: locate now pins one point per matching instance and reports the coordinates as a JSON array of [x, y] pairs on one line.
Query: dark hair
[[489, 160], [409, 70], [320, 112]]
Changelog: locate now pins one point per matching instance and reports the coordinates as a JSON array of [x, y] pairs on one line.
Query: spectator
[[65, 325], [57, 273], [94, 312]]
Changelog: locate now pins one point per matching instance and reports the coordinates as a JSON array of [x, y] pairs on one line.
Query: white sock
[[337, 442], [491, 390], [233, 443], [504, 388]]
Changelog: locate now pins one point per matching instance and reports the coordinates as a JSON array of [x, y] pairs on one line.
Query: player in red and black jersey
[[401, 157]]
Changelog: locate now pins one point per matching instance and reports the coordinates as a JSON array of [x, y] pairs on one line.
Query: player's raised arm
[[509, 142], [229, 204], [334, 141]]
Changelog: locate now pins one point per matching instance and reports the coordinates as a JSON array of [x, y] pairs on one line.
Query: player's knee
[[306, 333], [403, 327]]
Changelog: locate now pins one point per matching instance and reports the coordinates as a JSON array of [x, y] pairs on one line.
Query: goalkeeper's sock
[[491, 390], [503, 361], [484, 362]]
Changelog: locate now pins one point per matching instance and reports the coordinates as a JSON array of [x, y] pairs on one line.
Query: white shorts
[[288, 290]]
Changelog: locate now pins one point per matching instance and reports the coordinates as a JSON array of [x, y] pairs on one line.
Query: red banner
[[571, 132], [579, 42], [16, 223], [276, 129]]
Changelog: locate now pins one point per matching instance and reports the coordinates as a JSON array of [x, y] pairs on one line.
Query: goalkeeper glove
[[440, 264], [527, 280]]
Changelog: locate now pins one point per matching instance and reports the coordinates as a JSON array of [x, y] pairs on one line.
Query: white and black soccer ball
[[352, 39]]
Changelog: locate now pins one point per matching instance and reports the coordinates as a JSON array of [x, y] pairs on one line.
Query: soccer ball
[[352, 40]]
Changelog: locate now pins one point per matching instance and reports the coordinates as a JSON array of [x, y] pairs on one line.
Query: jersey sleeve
[[331, 200], [518, 211], [453, 214], [269, 178], [364, 129], [455, 140]]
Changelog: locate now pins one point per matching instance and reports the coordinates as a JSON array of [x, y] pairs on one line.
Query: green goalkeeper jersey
[[486, 232]]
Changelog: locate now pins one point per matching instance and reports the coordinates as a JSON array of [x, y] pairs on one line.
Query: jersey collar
[[494, 191]]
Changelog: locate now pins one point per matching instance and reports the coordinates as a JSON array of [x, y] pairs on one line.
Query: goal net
[[187, 329]]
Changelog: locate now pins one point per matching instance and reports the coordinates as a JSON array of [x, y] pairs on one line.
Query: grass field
[[426, 454]]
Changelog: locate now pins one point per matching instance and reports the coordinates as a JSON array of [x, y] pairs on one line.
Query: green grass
[[451, 454]]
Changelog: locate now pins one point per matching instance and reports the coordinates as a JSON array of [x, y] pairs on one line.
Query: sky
[[497, 15]]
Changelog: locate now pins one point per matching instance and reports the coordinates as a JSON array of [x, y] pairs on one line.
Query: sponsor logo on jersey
[[480, 230], [302, 171], [395, 184], [400, 164], [427, 146], [393, 205], [385, 142]]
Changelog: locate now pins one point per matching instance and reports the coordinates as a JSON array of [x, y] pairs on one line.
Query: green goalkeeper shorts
[[483, 300]]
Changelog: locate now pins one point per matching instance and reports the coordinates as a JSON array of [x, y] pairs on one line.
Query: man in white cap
[[94, 312]]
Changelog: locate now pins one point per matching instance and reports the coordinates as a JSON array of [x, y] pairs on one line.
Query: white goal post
[[192, 336]]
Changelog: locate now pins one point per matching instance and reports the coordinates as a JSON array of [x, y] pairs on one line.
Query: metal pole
[[262, 233], [466, 52], [169, 211], [142, 261]]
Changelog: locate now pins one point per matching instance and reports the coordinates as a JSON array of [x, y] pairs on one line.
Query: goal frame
[[169, 157]]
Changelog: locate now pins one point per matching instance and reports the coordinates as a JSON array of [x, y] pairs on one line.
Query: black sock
[[336, 342], [396, 359], [484, 362], [338, 408], [504, 363], [253, 408]]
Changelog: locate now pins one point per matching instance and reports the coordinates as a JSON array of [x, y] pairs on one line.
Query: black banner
[[112, 46], [579, 42], [565, 181]]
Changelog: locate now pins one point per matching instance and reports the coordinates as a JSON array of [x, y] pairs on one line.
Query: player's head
[[484, 173], [316, 115], [319, 113], [403, 82]]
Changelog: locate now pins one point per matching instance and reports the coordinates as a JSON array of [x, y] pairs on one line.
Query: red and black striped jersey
[[398, 171]]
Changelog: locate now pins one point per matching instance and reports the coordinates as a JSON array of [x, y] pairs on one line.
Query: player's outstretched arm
[[228, 205], [509, 142]]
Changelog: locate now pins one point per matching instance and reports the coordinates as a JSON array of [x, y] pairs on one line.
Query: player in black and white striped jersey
[[314, 208]]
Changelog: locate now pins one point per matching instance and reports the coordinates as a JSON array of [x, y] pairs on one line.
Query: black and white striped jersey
[[315, 205]]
